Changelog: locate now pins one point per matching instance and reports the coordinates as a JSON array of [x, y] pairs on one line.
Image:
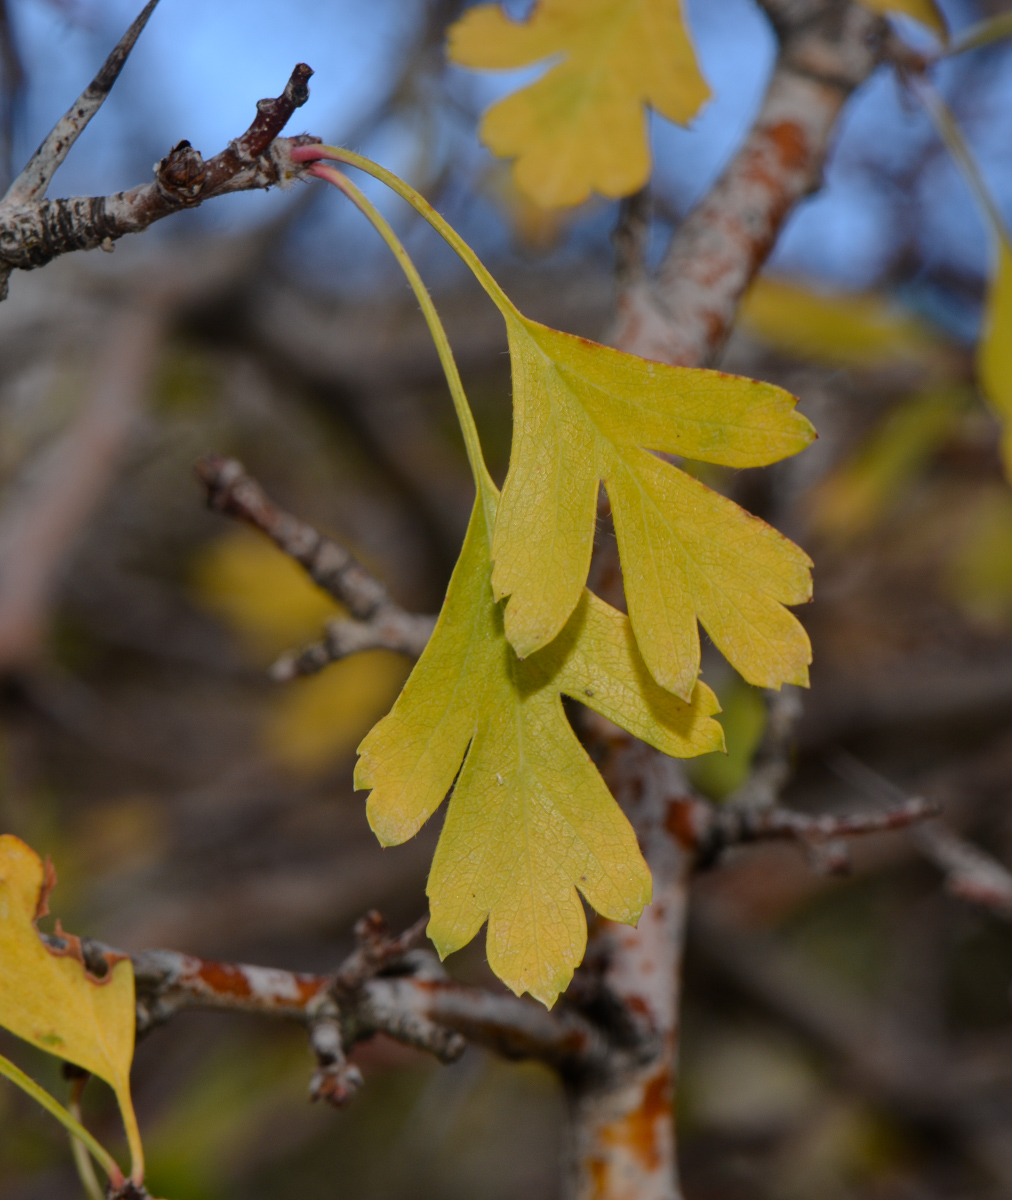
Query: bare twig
[[12, 81], [970, 873], [378, 623], [34, 233], [31, 184], [416, 1005]]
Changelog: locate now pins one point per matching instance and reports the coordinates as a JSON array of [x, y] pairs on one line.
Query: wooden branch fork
[[34, 230]]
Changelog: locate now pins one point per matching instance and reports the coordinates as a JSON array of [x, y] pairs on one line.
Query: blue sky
[[200, 66]]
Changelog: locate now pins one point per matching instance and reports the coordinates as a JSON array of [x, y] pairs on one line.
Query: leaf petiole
[[948, 130], [980, 34], [483, 480], [422, 207], [102, 1156]]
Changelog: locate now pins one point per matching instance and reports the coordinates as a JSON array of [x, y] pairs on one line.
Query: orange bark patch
[[792, 148], [640, 1131], [224, 980]]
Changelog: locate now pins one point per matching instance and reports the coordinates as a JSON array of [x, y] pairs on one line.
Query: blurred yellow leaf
[[849, 330], [530, 821], [925, 11], [743, 718], [979, 575], [317, 721], [994, 353], [261, 592], [584, 412], [535, 228], [582, 126], [858, 493], [49, 998]]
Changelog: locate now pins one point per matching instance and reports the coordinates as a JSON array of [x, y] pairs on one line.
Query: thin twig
[[33, 181], [414, 1003], [969, 872], [12, 81], [33, 234], [377, 622]]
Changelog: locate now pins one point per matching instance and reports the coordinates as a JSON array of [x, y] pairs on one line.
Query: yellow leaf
[[317, 721], [530, 821], [50, 1000], [994, 354], [858, 493], [582, 126], [924, 11], [584, 412], [743, 719], [979, 576], [261, 592], [851, 330]]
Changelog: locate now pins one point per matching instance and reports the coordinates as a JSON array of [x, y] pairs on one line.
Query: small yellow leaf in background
[[530, 821], [273, 604], [860, 491], [856, 330], [584, 412], [261, 592], [925, 11], [317, 721], [979, 575], [994, 353], [50, 1000], [582, 127], [743, 718]]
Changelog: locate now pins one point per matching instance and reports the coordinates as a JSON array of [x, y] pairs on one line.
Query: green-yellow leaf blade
[[582, 126], [530, 821], [49, 1000], [584, 412], [994, 354], [925, 11]]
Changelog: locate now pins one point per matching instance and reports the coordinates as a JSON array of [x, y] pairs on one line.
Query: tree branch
[[31, 184], [684, 315], [34, 232], [377, 622]]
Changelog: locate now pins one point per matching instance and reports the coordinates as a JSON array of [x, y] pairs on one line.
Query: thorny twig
[[34, 231], [38, 173], [969, 872], [376, 621]]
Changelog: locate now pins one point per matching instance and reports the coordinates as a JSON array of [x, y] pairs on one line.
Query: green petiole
[[102, 1156], [483, 480], [948, 130], [423, 208]]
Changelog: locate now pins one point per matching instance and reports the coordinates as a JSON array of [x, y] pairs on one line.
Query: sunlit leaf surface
[[584, 413], [530, 821], [582, 127]]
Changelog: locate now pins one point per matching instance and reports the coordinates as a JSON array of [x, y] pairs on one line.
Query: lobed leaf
[[925, 11], [584, 413], [994, 353], [853, 330], [530, 822], [582, 126], [50, 999]]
